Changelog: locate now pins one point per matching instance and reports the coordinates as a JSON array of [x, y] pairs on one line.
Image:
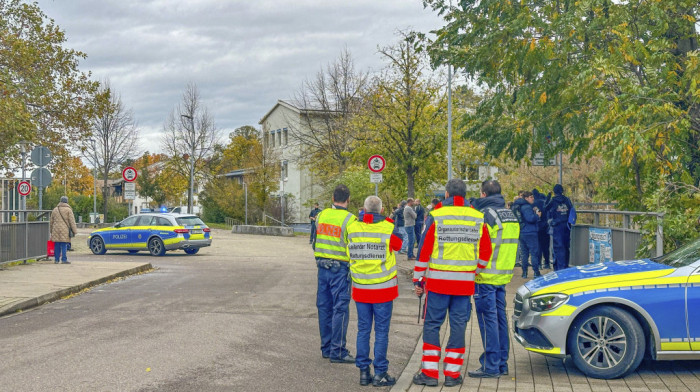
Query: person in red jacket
[[454, 248]]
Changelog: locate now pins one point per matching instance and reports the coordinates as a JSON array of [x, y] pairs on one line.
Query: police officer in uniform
[[333, 294], [372, 247], [490, 290], [453, 248], [557, 212]]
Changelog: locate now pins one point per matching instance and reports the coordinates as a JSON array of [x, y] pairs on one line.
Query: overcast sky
[[243, 55]]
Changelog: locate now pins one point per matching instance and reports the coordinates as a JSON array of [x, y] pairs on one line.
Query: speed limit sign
[[24, 188]]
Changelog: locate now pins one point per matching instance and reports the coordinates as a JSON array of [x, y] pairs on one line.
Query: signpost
[[539, 160], [24, 188], [129, 174], [41, 177], [376, 164]]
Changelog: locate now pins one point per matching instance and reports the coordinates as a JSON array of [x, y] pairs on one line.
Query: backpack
[[572, 216]]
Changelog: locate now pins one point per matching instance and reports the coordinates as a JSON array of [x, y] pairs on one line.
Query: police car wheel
[[606, 342], [97, 245], [191, 251], [156, 247]]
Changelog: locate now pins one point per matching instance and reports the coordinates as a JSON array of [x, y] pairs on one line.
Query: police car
[[154, 232], [609, 316]]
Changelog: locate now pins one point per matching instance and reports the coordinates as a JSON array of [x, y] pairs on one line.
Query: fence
[[26, 239], [626, 234]]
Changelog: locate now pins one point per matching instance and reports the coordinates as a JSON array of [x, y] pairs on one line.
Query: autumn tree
[[404, 117], [613, 79], [115, 137], [190, 136], [328, 103], [44, 98]]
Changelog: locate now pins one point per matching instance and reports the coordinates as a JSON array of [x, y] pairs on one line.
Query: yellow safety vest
[[456, 247], [504, 239], [372, 264], [331, 234]]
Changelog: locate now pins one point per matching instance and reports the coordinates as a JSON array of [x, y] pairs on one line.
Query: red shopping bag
[[49, 249]]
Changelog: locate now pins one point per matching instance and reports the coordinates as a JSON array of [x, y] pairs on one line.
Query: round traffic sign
[[41, 156], [376, 163], [41, 177], [24, 188], [129, 174]]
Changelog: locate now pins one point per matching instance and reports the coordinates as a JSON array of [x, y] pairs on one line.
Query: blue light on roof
[[164, 209]]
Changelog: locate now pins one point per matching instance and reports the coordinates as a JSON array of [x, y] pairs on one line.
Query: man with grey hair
[[372, 246], [61, 228]]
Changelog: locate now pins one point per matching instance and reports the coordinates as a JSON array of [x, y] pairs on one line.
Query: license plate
[[196, 231]]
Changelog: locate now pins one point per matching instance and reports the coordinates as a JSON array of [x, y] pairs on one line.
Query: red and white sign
[[129, 174], [24, 188], [376, 163]]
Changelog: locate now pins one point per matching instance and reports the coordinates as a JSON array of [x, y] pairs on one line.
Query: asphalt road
[[238, 316]]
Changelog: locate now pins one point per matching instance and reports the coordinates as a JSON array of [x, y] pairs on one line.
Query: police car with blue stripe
[[154, 232], [609, 316]]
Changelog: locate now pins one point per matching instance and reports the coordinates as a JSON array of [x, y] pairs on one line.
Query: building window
[[285, 170], [286, 136], [279, 137], [272, 138]]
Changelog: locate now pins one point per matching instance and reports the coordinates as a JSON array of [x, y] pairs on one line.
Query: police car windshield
[[685, 255], [189, 221]]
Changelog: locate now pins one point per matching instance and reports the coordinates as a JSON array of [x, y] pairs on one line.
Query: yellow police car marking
[[675, 346], [603, 282], [695, 346], [563, 310], [555, 350]]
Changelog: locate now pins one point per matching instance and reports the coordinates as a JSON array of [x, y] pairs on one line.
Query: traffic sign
[[129, 174], [376, 163], [24, 188], [539, 160], [129, 186], [129, 195], [375, 178], [41, 156], [41, 177]]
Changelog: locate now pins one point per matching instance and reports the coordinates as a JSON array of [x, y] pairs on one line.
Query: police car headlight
[[547, 302]]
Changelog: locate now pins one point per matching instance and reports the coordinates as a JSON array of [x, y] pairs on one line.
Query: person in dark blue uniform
[[557, 212], [542, 229], [529, 243]]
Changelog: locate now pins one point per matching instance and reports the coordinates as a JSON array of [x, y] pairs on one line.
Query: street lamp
[[94, 176], [190, 193]]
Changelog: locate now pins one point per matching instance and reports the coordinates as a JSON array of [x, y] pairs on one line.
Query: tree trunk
[[410, 186], [105, 192]]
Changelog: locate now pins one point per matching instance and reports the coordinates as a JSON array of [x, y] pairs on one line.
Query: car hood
[[614, 272]]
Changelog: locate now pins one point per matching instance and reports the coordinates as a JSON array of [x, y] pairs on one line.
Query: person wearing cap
[[557, 212], [61, 228]]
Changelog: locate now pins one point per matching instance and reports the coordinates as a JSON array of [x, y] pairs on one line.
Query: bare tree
[[327, 104], [190, 137], [115, 134]]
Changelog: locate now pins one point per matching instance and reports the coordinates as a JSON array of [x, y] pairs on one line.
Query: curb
[[56, 295]]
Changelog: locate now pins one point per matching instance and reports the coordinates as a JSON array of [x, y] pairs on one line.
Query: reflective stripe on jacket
[[331, 233], [372, 262], [454, 245], [504, 238]]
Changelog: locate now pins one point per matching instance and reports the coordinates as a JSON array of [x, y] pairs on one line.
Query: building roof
[[293, 108]]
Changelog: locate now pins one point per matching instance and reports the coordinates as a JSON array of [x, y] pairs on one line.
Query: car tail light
[[182, 231], [206, 229]]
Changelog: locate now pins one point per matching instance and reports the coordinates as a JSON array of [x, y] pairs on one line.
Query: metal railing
[[21, 241], [626, 233], [230, 222], [265, 217]]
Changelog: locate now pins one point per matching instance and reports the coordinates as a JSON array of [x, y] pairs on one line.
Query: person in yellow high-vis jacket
[[372, 246], [490, 288], [333, 293]]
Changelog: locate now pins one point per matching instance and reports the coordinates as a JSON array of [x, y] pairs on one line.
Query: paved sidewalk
[[28, 285]]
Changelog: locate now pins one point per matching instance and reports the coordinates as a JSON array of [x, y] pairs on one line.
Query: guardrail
[[626, 233], [21, 241]]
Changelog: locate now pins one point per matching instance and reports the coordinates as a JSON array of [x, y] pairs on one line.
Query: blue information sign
[[599, 245]]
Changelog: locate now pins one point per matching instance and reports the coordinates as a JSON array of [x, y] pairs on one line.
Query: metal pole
[[23, 204], [659, 235], [376, 189], [245, 186], [561, 168], [94, 176], [449, 122], [191, 198]]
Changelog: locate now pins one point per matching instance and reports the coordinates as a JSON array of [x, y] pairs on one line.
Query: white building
[[277, 127]]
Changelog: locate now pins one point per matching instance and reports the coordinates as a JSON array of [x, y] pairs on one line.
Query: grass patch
[[218, 226]]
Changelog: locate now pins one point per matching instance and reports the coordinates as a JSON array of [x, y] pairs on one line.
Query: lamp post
[[94, 176], [190, 193]]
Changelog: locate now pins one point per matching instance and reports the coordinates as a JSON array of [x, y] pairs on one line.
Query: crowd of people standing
[[466, 248]]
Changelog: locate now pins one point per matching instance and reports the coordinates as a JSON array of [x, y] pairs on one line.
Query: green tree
[[404, 118], [595, 77], [44, 98]]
